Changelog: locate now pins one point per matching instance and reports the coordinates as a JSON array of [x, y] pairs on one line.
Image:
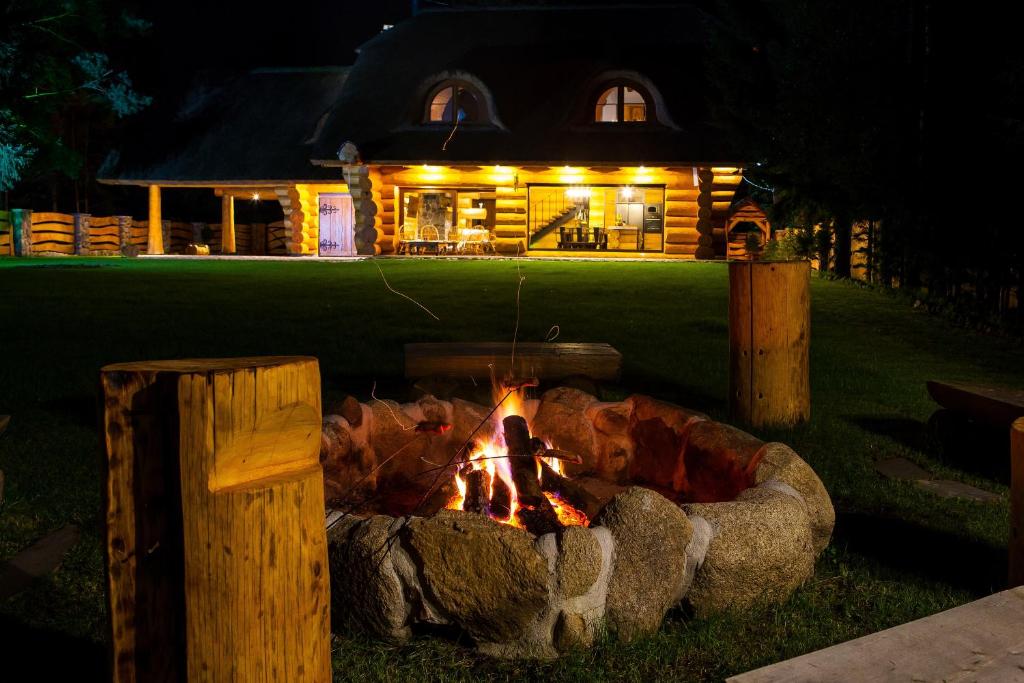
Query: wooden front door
[[337, 225]]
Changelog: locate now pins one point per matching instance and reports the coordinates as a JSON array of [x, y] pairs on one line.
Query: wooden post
[[81, 234], [769, 342], [215, 539], [21, 231], [1017, 503], [227, 224], [124, 235], [165, 237], [155, 241]]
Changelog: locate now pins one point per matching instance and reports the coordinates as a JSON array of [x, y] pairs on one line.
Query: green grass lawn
[[898, 553]]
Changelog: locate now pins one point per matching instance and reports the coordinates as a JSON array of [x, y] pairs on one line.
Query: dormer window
[[620, 103], [453, 102]]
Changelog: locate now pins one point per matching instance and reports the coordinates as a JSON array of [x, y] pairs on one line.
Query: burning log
[[571, 492], [501, 499], [476, 493], [536, 512]]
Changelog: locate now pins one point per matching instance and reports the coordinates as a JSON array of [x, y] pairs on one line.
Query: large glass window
[[596, 218], [620, 103]]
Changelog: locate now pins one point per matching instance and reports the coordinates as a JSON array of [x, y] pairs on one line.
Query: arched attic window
[[621, 103], [453, 101]]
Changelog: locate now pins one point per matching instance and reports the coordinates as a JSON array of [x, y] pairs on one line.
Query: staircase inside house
[[548, 215]]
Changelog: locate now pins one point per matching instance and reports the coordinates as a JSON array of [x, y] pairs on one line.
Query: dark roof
[[258, 126], [540, 66]]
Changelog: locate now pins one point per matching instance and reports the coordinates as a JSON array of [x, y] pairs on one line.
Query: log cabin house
[[542, 131]]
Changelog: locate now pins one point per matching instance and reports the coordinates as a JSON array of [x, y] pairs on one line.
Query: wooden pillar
[[769, 342], [124, 235], [1017, 503], [215, 540], [227, 224], [155, 241], [21, 231], [81, 234]]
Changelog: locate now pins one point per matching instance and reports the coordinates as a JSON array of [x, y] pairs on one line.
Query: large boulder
[[365, 588], [718, 462], [613, 447], [778, 462], [487, 577], [659, 431], [348, 467], [761, 550], [579, 561], [651, 535], [561, 420]]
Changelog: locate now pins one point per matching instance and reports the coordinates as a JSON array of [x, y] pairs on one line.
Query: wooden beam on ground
[[994, 406], [155, 241], [1017, 503], [532, 359], [227, 224], [36, 561], [981, 640]]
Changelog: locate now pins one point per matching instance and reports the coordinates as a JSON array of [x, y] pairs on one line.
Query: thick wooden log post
[[769, 342], [227, 224], [1017, 503], [82, 234], [155, 239], [215, 540], [21, 231], [124, 235]]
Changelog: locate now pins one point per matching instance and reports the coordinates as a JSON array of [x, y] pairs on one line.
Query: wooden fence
[[6, 234], [25, 233]]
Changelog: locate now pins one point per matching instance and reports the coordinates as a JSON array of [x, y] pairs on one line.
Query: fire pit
[[538, 525]]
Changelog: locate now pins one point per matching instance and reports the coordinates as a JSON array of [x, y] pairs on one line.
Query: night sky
[[193, 35]]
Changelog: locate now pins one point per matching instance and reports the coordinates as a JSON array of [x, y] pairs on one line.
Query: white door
[[337, 224]]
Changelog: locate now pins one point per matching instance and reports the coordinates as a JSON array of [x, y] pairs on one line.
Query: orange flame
[[491, 456]]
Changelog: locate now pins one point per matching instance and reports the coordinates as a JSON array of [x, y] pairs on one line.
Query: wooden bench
[[532, 359], [981, 640], [993, 406]]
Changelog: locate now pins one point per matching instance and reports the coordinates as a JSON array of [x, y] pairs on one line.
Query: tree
[[61, 91], [817, 91]]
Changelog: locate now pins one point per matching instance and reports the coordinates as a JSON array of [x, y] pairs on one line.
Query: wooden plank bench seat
[[979, 641], [993, 406], [532, 359]]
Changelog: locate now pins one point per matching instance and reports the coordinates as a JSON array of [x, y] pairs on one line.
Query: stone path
[[901, 468], [36, 561], [979, 641]]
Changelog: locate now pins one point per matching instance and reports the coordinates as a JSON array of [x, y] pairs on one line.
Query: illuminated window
[[620, 103], [451, 102]]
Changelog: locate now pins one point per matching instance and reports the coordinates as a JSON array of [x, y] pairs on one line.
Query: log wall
[[509, 184]]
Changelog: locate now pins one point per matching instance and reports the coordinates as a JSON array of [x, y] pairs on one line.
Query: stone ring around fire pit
[[688, 511]]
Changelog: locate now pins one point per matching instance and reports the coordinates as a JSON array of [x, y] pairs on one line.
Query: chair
[[430, 239], [408, 235]]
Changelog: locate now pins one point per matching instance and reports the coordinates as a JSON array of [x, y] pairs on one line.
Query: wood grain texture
[[542, 360], [1017, 503], [769, 340], [217, 555], [155, 234], [994, 406]]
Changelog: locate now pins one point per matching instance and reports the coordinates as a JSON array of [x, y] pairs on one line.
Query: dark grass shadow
[[43, 655], [970, 446], [905, 431], [954, 441], [80, 410], [931, 554]]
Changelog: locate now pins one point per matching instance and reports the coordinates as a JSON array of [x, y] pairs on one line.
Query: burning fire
[[491, 456]]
